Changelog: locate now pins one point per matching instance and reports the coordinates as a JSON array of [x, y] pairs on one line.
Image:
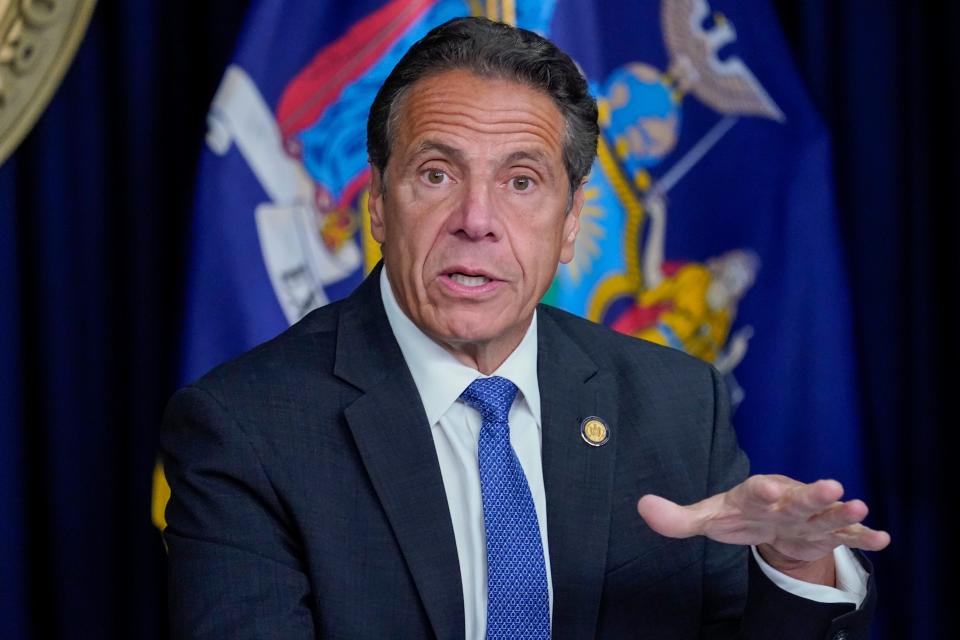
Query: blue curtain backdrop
[[94, 209], [95, 212], [886, 77], [12, 498]]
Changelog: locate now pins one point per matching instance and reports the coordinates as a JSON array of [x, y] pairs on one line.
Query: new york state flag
[[708, 225]]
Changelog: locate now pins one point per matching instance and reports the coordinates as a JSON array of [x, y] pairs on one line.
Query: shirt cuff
[[851, 580]]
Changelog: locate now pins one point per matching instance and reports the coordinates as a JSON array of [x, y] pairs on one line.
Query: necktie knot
[[492, 397]]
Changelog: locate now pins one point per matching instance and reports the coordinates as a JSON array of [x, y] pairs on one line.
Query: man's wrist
[[822, 571]]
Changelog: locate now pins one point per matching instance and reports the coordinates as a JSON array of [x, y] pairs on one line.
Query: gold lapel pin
[[594, 431]]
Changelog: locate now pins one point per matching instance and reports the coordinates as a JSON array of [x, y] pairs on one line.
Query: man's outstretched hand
[[795, 526]]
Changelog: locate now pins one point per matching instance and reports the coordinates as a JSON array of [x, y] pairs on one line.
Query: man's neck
[[485, 357]]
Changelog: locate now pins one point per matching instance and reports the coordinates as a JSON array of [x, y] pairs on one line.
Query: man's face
[[472, 210]]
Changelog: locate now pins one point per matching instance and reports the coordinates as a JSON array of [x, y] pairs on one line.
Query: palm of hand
[[793, 523]]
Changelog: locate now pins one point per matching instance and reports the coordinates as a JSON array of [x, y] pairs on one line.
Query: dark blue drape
[[94, 210], [94, 217], [886, 77], [12, 573]]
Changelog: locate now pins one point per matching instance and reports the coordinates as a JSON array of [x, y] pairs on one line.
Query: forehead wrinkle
[[433, 97], [454, 126], [478, 118], [428, 132], [532, 142]]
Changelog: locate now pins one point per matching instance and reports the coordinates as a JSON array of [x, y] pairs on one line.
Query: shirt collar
[[441, 378]]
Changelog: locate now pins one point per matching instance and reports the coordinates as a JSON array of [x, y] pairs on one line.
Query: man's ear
[[571, 224], [375, 205]]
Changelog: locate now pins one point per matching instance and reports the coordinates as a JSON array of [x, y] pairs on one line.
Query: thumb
[[668, 518]]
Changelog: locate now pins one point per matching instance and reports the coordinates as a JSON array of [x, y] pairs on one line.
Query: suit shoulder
[[310, 342], [623, 353]]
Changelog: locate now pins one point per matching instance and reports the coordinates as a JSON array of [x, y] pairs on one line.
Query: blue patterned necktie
[[517, 601]]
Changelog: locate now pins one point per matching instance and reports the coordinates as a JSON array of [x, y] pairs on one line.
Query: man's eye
[[522, 183], [435, 176]]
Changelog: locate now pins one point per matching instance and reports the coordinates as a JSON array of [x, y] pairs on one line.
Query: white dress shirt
[[440, 379]]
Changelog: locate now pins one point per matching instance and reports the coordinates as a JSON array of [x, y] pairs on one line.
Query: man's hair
[[493, 50]]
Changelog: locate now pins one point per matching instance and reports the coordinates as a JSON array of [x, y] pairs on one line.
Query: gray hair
[[494, 50]]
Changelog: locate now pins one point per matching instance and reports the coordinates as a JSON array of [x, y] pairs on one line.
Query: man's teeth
[[469, 281]]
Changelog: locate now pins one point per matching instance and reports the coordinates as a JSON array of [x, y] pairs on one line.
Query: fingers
[[810, 499], [839, 515], [767, 490], [822, 521], [814, 509], [790, 497], [842, 525], [802, 521], [861, 537]]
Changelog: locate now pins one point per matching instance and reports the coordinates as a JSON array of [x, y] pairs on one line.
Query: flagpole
[[693, 156]]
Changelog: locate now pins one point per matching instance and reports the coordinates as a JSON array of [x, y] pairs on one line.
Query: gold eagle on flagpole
[[727, 86]]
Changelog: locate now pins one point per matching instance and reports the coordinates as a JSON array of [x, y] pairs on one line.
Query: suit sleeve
[[235, 566], [769, 612], [725, 565]]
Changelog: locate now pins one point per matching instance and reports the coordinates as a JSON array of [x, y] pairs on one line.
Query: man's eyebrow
[[531, 155], [445, 149], [535, 156]]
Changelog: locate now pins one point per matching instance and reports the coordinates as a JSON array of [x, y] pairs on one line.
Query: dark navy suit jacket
[[307, 499]]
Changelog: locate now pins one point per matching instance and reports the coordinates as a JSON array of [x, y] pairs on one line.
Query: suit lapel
[[577, 478], [391, 431]]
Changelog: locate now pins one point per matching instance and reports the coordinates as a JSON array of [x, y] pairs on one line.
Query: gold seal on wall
[[37, 41]]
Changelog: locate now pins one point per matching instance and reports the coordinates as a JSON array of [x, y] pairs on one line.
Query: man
[[439, 456]]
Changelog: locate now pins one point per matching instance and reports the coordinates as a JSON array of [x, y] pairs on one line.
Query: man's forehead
[[446, 110]]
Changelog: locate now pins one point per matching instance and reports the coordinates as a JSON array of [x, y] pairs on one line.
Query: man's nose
[[475, 216]]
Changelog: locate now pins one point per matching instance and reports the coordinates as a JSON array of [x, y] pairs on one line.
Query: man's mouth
[[469, 281]]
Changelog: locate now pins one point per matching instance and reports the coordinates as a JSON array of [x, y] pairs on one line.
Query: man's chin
[[464, 329], [460, 332], [467, 335]]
